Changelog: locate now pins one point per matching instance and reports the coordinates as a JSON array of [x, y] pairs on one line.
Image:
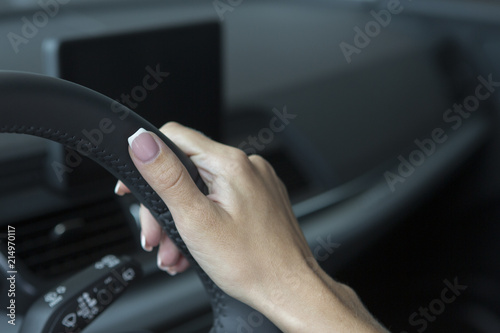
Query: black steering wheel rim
[[61, 111]]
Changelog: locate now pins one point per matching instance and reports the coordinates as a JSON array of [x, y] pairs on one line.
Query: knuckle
[[237, 155], [170, 128], [169, 125], [168, 179], [173, 130], [263, 165], [258, 160], [349, 291], [237, 160]]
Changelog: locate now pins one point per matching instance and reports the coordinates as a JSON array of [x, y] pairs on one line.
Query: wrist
[[295, 298], [306, 299]]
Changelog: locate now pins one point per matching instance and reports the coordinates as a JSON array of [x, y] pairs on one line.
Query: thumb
[[164, 172]]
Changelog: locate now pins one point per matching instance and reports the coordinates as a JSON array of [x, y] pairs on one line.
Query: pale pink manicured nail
[[144, 245], [165, 268], [143, 145], [170, 271], [117, 189]]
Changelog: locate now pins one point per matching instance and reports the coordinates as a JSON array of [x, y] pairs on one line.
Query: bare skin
[[233, 231]]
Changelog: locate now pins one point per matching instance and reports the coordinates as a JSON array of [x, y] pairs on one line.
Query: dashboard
[[367, 139]]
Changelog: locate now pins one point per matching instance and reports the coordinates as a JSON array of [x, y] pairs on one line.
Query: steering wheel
[[98, 127]]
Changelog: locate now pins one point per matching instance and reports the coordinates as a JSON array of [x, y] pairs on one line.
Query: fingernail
[[170, 271], [165, 268], [144, 245], [143, 145], [117, 188]]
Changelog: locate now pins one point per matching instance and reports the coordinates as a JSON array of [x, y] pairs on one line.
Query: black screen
[[132, 67]]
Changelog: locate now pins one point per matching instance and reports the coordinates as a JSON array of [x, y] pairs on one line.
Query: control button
[[128, 274], [115, 286], [109, 261], [104, 296], [69, 320], [87, 307], [52, 298], [61, 290]]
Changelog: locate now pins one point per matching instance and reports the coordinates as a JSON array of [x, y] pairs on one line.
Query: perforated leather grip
[[98, 127]]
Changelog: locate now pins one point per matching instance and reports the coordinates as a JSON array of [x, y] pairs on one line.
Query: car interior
[[381, 118]]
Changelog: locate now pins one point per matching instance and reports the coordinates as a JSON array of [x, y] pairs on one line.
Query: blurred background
[[381, 117]]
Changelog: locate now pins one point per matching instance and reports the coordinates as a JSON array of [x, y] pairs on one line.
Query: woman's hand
[[243, 234]]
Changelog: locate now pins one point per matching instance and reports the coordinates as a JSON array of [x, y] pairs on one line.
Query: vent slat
[[82, 246], [79, 262], [90, 228], [93, 231], [44, 224]]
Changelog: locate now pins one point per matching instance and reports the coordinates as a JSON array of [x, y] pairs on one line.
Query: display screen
[[164, 74]]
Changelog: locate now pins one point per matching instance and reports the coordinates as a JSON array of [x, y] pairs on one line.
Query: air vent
[[59, 244]]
